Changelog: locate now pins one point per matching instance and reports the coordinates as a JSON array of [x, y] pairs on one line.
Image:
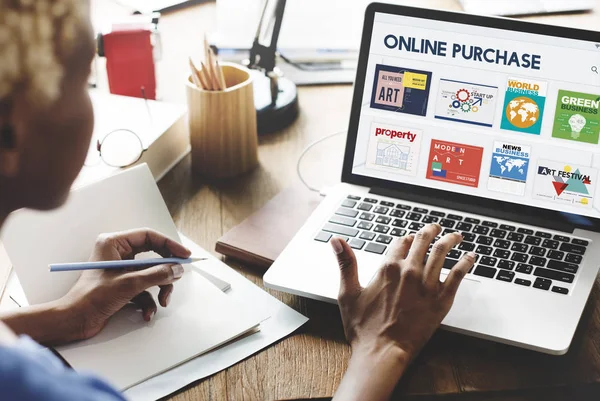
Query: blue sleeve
[[30, 372]]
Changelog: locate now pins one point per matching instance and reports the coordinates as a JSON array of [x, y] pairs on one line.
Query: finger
[[349, 284], [437, 256], [421, 243], [398, 250], [136, 241], [141, 280], [164, 295], [458, 271], [146, 303]]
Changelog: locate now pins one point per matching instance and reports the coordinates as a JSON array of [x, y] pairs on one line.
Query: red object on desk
[[130, 62]]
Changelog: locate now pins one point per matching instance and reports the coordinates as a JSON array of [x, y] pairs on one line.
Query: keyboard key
[[437, 214], [542, 284], [488, 261], [454, 254], [557, 255], [489, 224], [367, 235], [367, 216], [345, 221], [505, 275], [484, 250], [543, 234], [485, 271], [416, 226], [481, 230], [466, 246], [323, 236], [498, 233], [472, 220], [381, 210], [502, 244], [501, 253], [349, 203], [561, 238], [398, 232], [364, 225], [468, 237], [506, 264], [414, 216], [462, 226], [563, 266], [399, 223], [537, 261], [353, 197], [342, 211], [380, 228], [420, 210], [365, 206], [449, 263], [551, 244], [525, 231], [553, 274], [383, 220], [576, 249], [580, 242], [531, 240], [430, 219], [537, 251], [403, 207], [572, 258], [447, 223], [386, 203], [515, 237], [448, 231], [337, 229], [384, 239], [560, 290], [371, 200], [507, 227], [375, 248], [343, 237], [524, 268], [454, 217], [397, 213], [356, 243], [482, 239], [521, 281], [519, 248], [519, 257]]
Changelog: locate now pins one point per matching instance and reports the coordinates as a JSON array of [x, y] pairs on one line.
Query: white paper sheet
[[284, 321]]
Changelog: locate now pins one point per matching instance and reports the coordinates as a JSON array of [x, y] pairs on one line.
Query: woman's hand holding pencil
[[210, 77]]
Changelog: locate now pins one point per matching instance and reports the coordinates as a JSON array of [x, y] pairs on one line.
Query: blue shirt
[[30, 372]]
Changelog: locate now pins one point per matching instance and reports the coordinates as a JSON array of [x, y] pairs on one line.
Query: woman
[[46, 125]]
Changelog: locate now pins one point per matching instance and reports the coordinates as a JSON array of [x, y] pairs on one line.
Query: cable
[[305, 151]]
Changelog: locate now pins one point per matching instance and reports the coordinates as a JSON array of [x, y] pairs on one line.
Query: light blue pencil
[[120, 264]]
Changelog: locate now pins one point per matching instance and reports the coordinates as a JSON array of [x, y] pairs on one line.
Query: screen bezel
[[465, 202]]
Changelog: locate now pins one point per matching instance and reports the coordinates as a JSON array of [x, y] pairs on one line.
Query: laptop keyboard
[[519, 255]]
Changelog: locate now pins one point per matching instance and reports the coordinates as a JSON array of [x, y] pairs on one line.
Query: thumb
[[349, 284]]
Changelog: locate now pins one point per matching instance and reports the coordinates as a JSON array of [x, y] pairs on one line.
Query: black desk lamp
[[275, 97]]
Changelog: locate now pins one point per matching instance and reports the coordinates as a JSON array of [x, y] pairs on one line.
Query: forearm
[[372, 374], [50, 323]]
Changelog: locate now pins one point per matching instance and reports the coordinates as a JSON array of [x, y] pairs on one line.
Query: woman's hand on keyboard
[[388, 322]]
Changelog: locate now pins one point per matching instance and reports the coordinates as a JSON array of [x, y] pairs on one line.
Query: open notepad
[[129, 350]]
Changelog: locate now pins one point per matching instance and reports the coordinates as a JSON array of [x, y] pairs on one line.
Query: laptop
[[486, 126], [526, 7]]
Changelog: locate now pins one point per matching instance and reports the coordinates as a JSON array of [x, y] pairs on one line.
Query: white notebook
[[129, 350]]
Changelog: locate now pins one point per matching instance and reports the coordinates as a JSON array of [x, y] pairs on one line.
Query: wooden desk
[[309, 364]]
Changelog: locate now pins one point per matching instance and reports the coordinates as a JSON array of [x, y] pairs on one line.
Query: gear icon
[[465, 107], [463, 95]]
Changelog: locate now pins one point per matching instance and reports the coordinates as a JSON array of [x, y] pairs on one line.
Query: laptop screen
[[492, 113]]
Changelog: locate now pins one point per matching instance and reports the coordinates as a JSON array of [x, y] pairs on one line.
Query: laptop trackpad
[[462, 309]]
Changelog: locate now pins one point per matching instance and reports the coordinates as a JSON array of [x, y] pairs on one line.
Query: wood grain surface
[[310, 363]]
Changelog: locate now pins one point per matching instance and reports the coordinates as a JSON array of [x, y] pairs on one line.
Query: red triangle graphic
[[559, 187]]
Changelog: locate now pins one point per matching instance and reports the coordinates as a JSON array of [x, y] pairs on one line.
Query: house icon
[[390, 155]]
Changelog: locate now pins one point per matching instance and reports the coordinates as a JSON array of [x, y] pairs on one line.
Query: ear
[[9, 155]]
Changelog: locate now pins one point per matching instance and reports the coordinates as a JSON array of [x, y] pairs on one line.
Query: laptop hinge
[[503, 214]]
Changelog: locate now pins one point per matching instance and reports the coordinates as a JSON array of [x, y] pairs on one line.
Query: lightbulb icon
[[577, 122]]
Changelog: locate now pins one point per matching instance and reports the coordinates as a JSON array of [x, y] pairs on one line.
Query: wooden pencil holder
[[223, 125]]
